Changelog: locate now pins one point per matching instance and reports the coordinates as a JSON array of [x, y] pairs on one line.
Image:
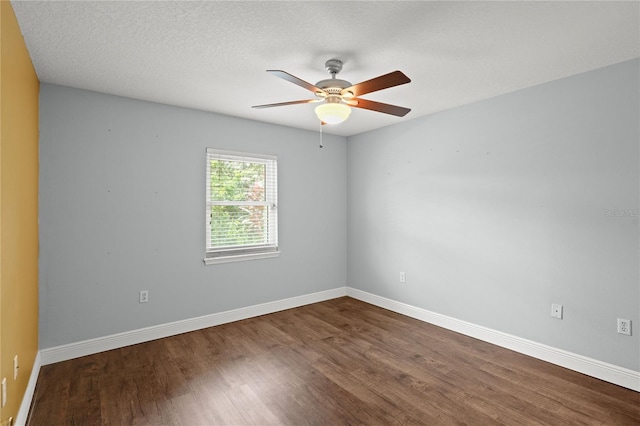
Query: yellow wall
[[19, 88]]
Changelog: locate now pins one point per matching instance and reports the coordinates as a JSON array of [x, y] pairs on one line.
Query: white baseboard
[[611, 373], [114, 341], [23, 411], [608, 372]]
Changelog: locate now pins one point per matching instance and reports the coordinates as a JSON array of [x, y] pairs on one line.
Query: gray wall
[[494, 210], [498, 209], [122, 210]]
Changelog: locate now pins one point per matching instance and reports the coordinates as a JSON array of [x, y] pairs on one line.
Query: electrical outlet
[[624, 326], [556, 311], [403, 277], [144, 296], [15, 367]]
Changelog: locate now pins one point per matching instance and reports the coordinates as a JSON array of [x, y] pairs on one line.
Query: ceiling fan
[[336, 96]]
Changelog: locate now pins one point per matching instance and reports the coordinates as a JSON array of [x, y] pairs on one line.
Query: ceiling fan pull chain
[[321, 146]]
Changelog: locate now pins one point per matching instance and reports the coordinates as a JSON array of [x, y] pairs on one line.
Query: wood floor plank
[[337, 362]]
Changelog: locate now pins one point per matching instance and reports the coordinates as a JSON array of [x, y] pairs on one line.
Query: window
[[242, 214]]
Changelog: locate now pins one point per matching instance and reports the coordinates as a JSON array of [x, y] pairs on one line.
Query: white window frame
[[215, 255]]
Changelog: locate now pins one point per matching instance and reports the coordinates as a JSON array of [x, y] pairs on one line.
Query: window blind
[[241, 204]]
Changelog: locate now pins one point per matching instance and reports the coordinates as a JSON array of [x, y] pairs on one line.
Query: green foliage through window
[[237, 180]]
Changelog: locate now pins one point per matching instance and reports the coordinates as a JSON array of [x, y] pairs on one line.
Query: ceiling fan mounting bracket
[[334, 66]]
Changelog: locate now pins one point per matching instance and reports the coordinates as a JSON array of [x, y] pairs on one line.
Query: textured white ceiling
[[212, 55]]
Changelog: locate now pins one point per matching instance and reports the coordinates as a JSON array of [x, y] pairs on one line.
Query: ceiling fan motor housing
[[333, 85]]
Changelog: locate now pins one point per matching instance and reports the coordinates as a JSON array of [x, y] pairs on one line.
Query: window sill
[[239, 258]]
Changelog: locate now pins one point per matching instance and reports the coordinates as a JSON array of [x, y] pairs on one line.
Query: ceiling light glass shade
[[333, 113]]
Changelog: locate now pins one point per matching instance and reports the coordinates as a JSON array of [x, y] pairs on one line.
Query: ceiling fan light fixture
[[332, 112]]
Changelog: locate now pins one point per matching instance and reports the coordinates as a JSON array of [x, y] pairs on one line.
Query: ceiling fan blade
[[306, 101], [380, 107], [392, 79], [295, 80]]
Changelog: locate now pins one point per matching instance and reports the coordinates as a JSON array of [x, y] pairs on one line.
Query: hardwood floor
[[331, 363]]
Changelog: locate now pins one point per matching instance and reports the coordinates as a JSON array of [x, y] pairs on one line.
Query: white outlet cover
[[624, 326], [15, 367], [556, 311], [4, 391]]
